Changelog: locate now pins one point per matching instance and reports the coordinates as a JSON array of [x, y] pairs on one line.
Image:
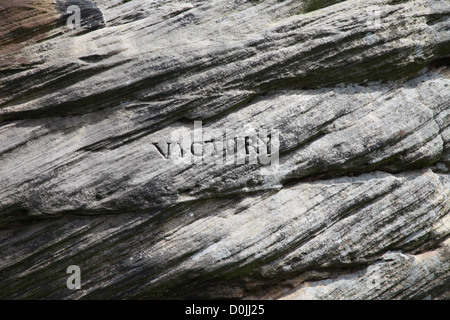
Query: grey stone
[[338, 188]]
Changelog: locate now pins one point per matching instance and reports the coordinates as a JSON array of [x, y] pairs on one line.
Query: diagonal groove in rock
[[90, 173], [383, 128], [153, 262], [63, 101], [397, 275]]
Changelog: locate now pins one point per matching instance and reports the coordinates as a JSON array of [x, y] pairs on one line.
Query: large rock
[[246, 149]]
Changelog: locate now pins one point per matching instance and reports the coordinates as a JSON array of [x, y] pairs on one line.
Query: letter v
[[161, 151]]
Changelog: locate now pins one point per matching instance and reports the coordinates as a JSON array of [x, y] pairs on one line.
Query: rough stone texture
[[359, 92]]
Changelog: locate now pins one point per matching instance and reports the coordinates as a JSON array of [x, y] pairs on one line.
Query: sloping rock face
[[225, 149]]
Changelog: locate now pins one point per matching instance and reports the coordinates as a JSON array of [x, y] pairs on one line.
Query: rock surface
[[225, 149]]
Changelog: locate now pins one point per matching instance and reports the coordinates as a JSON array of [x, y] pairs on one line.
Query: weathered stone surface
[[397, 275], [349, 100]]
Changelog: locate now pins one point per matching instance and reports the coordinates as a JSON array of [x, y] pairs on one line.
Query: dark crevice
[[439, 63], [313, 5]]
